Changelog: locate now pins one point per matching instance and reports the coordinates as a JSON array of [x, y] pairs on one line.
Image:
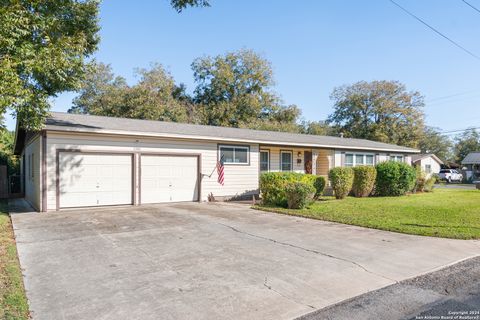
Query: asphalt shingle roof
[[472, 158], [59, 121]]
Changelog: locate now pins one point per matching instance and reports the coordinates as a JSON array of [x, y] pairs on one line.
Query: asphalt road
[[450, 293]]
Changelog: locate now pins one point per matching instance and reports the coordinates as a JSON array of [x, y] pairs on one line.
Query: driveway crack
[[265, 284], [307, 250]]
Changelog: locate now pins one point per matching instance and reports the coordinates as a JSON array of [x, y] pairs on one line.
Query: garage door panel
[[168, 178], [94, 179]]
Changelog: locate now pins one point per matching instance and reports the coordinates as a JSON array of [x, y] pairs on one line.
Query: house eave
[[207, 138]]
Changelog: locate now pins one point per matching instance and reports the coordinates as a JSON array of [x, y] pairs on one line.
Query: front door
[[308, 162]]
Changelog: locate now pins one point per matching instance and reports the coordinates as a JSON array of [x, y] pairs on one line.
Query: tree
[[7, 140], [320, 128], [154, 97], [43, 46], [433, 141], [468, 141], [179, 5], [235, 90], [378, 110]]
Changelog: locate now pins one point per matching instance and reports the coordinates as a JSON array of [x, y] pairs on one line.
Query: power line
[[461, 130], [471, 6], [436, 31]]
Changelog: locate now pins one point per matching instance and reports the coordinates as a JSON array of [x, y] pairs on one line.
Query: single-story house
[[83, 160], [472, 164], [429, 163]]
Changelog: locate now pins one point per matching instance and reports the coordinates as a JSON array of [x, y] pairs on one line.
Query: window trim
[[354, 159], [429, 166], [396, 155], [260, 160], [291, 160], [239, 146]]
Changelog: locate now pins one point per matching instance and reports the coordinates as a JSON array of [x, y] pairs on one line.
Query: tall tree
[[235, 90], [154, 97], [468, 141], [433, 141], [43, 46], [320, 128], [378, 110]]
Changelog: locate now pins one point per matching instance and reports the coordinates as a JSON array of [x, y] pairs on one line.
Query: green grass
[[447, 213], [13, 302]]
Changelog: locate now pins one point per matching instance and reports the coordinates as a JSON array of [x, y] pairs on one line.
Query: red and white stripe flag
[[220, 171]]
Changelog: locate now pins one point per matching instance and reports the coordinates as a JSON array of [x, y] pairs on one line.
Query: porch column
[[314, 161]]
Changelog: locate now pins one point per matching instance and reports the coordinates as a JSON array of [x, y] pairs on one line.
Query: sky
[[313, 45]]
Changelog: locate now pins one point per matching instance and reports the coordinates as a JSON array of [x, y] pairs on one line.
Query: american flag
[[220, 171]]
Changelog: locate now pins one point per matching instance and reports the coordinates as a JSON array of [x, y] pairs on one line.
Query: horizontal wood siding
[[324, 161], [239, 180]]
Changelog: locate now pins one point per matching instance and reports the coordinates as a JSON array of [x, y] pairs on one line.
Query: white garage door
[[168, 178], [94, 179]]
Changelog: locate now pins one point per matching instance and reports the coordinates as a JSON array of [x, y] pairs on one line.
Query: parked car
[[450, 175]]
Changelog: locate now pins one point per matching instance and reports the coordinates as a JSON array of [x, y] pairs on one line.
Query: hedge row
[[282, 188], [386, 179]]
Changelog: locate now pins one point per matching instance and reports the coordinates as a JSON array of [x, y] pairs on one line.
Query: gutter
[[262, 142]]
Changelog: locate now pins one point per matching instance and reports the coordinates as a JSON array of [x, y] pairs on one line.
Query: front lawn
[[448, 213], [13, 302]]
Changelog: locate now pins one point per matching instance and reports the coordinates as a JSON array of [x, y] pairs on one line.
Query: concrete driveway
[[209, 261]]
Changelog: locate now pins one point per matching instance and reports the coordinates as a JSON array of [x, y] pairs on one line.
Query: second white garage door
[[168, 178]]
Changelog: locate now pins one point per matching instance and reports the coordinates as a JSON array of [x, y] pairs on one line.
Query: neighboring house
[[429, 163], [83, 160], [472, 164]]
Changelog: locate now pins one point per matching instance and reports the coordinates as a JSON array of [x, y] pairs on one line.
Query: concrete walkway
[[209, 261]]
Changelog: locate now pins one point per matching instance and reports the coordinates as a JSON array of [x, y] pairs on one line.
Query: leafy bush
[[394, 178], [421, 179], [319, 185], [272, 185], [299, 194], [341, 180], [363, 180], [429, 184]]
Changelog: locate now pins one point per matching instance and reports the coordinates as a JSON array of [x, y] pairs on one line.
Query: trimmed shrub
[[272, 185], [341, 180], [363, 180], [299, 194], [319, 185], [429, 184], [394, 178]]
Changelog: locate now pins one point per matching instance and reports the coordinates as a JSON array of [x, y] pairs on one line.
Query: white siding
[[435, 166], [239, 180], [32, 184], [275, 157]]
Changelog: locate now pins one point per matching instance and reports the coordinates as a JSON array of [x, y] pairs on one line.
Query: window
[[264, 160], [32, 173], [369, 160], [286, 160], [396, 158], [428, 168], [349, 160], [358, 159], [234, 154]]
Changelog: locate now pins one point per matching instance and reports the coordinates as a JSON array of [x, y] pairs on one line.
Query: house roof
[[418, 157], [58, 121], [472, 158]]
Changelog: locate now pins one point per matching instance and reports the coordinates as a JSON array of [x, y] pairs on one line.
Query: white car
[[450, 175]]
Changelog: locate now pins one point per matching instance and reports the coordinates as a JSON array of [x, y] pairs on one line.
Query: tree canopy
[[154, 97], [466, 142], [378, 110], [43, 46], [432, 141], [235, 90], [180, 5]]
